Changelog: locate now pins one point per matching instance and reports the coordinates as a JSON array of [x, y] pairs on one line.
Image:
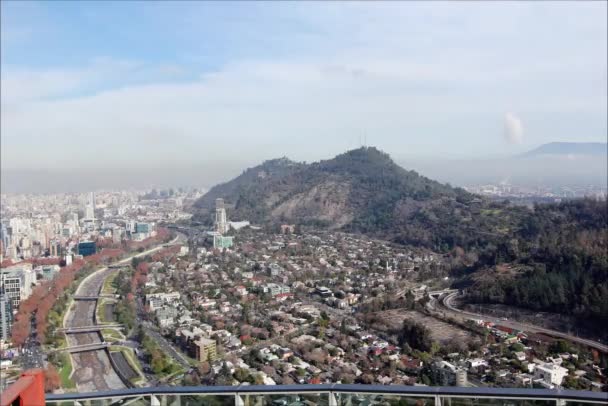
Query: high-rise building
[[55, 248], [143, 228], [90, 207], [117, 234], [220, 241], [4, 237], [17, 282], [49, 271], [92, 199], [89, 212], [205, 349], [221, 221], [6, 316], [86, 248]]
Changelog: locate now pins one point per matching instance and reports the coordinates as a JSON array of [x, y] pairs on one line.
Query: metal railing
[[329, 395]]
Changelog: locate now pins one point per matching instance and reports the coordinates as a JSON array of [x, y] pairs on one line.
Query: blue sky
[[153, 83]]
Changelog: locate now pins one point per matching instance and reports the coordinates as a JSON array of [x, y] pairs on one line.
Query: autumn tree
[[52, 381]]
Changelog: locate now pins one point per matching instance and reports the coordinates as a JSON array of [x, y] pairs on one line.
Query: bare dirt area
[[93, 372], [441, 331]]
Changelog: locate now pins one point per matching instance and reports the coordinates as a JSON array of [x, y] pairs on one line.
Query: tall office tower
[[17, 282], [4, 238], [55, 248], [89, 212], [221, 223], [92, 199], [6, 315], [90, 207]]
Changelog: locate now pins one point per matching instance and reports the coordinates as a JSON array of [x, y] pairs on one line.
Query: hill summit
[[359, 190]]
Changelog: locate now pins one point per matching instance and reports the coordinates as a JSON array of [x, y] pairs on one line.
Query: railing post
[[560, 402], [238, 400], [154, 401], [332, 399], [437, 400]]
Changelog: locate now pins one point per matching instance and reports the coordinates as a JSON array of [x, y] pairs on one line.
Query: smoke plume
[[514, 130]]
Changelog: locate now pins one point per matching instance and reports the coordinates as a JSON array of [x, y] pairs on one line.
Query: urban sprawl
[[114, 289]]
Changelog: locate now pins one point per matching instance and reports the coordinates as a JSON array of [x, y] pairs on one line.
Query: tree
[[20, 330], [409, 299], [560, 346], [416, 335], [52, 381], [434, 348]]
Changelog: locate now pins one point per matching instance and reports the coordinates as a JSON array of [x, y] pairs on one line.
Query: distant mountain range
[[569, 148]]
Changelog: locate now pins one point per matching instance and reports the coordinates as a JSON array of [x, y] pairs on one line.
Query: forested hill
[[233, 191], [362, 190], [557, 260]]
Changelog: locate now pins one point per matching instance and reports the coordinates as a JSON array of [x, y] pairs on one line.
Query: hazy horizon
[[541, 171]]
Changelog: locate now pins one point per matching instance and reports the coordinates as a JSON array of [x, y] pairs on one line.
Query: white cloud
[[514, 130], [412, 77], [24, 85]]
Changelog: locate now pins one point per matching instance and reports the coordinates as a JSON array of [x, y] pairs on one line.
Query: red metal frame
[[27, 391]]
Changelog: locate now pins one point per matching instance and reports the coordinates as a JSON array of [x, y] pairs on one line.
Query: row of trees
[[40, 302], [159, 361], [45, 296]]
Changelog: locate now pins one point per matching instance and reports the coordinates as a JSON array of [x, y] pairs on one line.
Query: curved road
[[92, 369], [447, 302]]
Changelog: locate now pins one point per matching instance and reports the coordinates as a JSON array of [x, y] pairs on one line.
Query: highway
[[448, 305], [92, 370]]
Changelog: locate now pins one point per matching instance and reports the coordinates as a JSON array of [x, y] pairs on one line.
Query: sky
[[123, 85]]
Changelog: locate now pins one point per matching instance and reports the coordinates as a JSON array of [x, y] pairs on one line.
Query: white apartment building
[[550, 374], [158, 300], [17, 282]]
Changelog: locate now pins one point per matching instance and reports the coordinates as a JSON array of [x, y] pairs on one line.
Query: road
[[166, 346], [93, 370], [449, 305], [32, 355]]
